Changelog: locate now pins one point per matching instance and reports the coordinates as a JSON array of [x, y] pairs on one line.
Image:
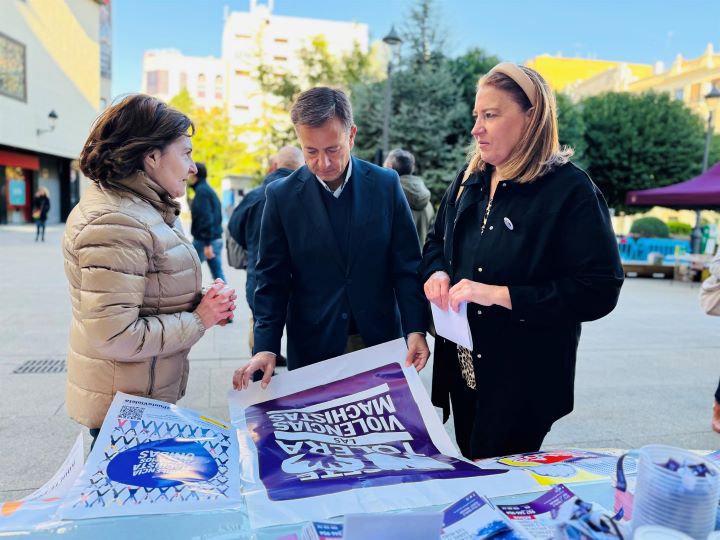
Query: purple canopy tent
[[698, 193]]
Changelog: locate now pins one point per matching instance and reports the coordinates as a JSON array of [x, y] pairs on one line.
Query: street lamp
[[712, 99], [393, 41], [52, 117]]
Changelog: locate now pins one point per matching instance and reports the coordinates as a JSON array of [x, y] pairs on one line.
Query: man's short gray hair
[[316, 106], [402, 161]]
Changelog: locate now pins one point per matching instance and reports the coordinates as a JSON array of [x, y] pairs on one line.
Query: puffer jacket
[[134, 281]]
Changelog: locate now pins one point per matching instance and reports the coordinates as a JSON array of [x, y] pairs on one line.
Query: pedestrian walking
[[40, 209], [206, 226]]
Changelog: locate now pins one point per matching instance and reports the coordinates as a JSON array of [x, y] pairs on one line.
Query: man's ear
[[353, 131]]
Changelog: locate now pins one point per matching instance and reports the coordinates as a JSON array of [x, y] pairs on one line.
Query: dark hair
[[316, 106], [128, 131], [202, 170], [402, 161]]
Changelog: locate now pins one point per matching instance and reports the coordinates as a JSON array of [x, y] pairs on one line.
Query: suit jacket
[[244, 227], [302, 274]]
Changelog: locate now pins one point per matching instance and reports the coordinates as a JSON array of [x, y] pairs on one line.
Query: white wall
[[62, 74]]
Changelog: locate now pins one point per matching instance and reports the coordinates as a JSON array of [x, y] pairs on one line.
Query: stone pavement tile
[[700, 440], [550, 443], [196, 394], [30, 394], [33, 447]]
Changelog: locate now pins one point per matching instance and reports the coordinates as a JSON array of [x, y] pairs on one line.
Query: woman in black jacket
[[41, 207], [524, 237]]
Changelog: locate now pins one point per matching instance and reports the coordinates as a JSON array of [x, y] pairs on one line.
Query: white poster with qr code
[[152, 457]]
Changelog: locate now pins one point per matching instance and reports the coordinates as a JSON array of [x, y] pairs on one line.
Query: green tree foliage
[[320, 68], [467, 70], [571, 128], [427, 119], [679, 228], [216, 142], [640, 141], [431, 113], [650, 227]]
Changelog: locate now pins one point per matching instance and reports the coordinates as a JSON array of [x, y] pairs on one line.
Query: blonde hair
[[538, 150], [42, 190]]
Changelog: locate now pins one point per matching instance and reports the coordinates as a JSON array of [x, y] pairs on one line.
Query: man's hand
[[264, 361], [436, 289], [209, 253], [418, 351]]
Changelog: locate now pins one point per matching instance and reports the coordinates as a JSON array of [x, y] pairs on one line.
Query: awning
[[17, 159]]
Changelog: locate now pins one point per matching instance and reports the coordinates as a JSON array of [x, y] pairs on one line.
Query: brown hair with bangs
[[128, 131], [538, 150]]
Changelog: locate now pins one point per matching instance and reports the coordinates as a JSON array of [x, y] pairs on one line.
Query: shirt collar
[[339, 190]]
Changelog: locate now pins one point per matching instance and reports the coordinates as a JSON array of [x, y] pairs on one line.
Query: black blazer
[[302, 274]]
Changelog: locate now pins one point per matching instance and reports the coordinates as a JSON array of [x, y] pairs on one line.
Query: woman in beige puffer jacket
[[135, 280]]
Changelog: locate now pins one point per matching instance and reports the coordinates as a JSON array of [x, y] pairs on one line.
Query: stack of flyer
[[551, 515]]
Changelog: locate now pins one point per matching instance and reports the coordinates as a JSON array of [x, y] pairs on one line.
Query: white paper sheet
[[152, 457], [402, 526], [356, 433], [453, 325]]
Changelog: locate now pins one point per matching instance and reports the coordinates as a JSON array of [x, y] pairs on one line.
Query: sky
[[638, 31]]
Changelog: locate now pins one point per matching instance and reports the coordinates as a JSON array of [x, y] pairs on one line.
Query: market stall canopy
[[700, 192]]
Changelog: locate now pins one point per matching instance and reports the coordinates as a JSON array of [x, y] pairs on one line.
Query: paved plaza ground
[[646, 373]]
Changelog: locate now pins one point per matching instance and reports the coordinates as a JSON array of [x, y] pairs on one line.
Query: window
[[242, 73], [242, 107], [157, 82], [201, 85], [695, 92], [183, 80], [280, 40], [12, 68], [218, 87], [242, 36], [280, 58], [679, 94]]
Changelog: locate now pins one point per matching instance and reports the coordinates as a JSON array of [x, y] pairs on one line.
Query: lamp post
[[393, 40], [52, 119], [712, 99]]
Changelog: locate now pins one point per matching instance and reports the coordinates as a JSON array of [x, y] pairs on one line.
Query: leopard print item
[[466, 366]]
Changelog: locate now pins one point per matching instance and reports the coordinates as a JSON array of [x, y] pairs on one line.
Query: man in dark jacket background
[[416, 192], [206, 227], [244, 223], [244, 226]]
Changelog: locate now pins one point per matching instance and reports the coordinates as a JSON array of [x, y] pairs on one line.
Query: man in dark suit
[[338, 251]]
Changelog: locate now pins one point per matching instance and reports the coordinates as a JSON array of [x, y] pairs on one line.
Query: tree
[[467, 70], [424, 35], [640, 141], [571, 128], [216, 142]]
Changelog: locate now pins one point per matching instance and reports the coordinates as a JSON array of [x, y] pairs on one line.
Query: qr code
[[131, 413]]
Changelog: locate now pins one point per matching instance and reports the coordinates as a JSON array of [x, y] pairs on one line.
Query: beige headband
[[520, 77]]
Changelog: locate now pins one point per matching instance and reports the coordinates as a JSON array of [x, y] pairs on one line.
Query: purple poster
[[362, 431], [352, 434]]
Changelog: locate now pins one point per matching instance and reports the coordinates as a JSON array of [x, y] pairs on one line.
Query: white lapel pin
[[508, 223]]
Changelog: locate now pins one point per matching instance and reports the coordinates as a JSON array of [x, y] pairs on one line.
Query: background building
[[251, 40], [54, 79], [563, 73], [686, 80]]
